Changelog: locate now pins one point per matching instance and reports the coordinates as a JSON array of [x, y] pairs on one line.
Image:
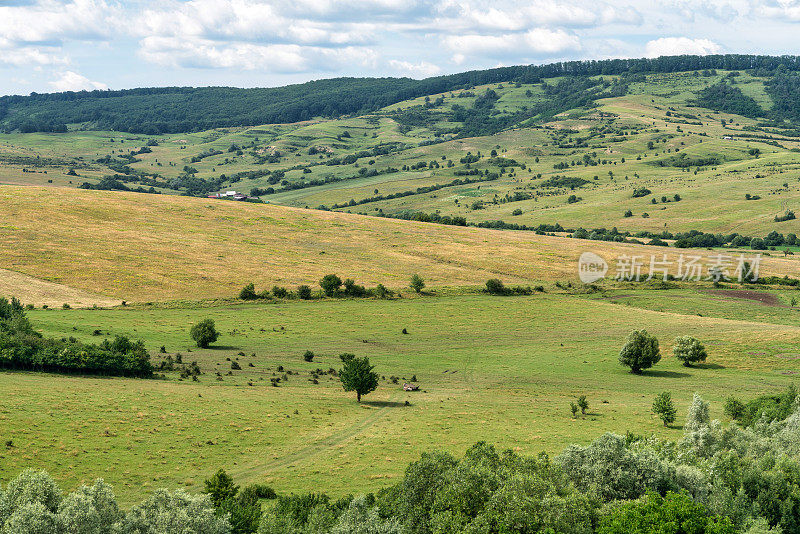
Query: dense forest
[[184, 109]]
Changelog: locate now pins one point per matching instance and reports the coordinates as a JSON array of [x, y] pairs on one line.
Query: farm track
[[318, 446]]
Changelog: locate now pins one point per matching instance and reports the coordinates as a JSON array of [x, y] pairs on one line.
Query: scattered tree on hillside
[[330, 284], [248, 292], [417, 283], [357, 375], [583, 404], [689, 350], [640, 351], [664, 408], [204, 333]]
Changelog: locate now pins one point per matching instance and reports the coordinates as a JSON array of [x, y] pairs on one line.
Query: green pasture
[[502, 369]]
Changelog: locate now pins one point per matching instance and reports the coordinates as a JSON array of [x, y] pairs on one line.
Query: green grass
[[493, 368]]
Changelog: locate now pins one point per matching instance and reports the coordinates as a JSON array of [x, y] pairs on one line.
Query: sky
[[51, 45]]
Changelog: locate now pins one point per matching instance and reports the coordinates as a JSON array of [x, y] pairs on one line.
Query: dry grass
[[38, 292], [146, 247]]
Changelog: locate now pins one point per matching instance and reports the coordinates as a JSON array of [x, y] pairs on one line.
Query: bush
[[495, 287], [248, 292], [640, 351], [689, 350], [417, 283], [279, 292], [351, 289], [330, 284], [304, 292], [676, 512], [308, 356], [204, 333], [664, 408]]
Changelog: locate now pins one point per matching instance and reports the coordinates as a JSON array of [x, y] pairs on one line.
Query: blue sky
[[50, 45]]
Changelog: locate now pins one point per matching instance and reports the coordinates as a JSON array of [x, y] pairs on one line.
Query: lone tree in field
[[583, 404], [358, 375], [663, 407], [330, 284], [640, 351], [204, 333], [417, 283], [689, 350]]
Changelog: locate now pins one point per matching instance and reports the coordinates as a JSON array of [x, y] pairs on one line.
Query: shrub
[[235, 366], [304, 292], [279, 292], [640, 351], [417, 283], [495, 287], [248, 292], [330, 284], [351, 289], [204, 333], [641, 192], [664, 408], [676, 512], [308, 356], [689, 350]]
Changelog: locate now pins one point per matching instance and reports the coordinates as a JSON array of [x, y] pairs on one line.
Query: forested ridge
[[184, 109]]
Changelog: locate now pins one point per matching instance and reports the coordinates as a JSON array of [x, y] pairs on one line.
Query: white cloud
[[533, 43], [22, 56], [72, 81], [51, 21], [423, 69], [780, 9], [675, 46], [278, 58], [246, 21]]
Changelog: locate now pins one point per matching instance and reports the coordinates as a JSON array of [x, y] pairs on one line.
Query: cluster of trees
[[728, 98], [23, 348], [690, 239], [488, 177], [32, 503], [641, 351], [495, 286], [331, 286]]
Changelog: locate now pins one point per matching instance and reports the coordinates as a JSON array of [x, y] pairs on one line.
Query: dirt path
[[316, 447]]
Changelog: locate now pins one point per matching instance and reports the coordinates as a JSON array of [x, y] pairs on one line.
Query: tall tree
[[358, 375]]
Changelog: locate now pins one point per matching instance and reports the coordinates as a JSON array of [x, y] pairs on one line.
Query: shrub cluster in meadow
[[23, 348]]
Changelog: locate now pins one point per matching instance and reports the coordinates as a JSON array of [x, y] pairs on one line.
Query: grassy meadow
[[500, 369], [503, 369]]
